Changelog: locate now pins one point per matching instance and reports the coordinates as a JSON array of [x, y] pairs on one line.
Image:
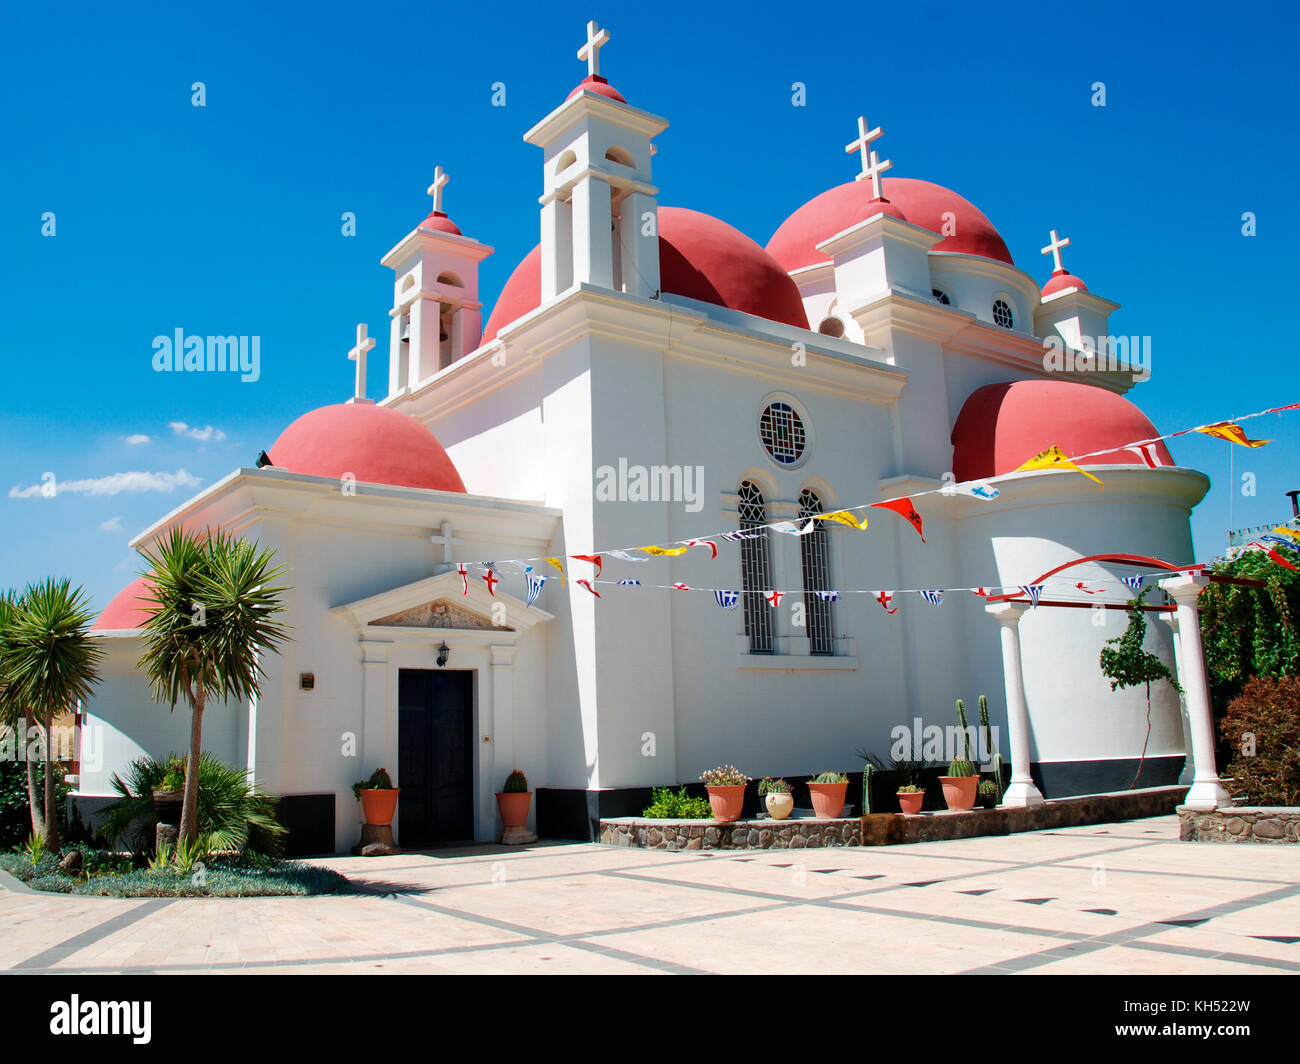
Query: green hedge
[[15, 813]]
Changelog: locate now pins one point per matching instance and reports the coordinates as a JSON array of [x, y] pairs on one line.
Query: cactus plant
[[995, 757], [830, 777], [767, 786], [867, 770], [516, 783], [961, 766]]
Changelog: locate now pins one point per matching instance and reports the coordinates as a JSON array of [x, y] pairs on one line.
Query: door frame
[[474, 769]]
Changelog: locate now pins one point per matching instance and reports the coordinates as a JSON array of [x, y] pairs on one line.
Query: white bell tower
[[436, 316], [600, 220]]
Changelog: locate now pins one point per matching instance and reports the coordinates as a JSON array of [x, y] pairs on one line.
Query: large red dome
[[129, 608], [700, 258], [923, 203], [1002, 426], [373, 443]]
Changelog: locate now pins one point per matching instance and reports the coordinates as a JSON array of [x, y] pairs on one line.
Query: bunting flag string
[[593, 558], [885, 598], [463, 569], [713, 547], [1053, 458], [789, 528], [828, 596], [557, 563], [904, 508], [587, 585], [491, 579], [1232, 432], [934, 598], [728, 600], [623, 555], [774, 598], [1087, 590], [843, 517], [1033, 592], [1134, 582], [664, 552], [535, 583], [630, 583]]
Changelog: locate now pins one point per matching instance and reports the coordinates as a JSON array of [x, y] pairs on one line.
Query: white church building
[[649, 376]]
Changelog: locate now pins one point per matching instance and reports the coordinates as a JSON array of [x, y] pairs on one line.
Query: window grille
[[755, 572], [815, 548]]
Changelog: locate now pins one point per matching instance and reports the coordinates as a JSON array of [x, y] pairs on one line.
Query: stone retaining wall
[[886, 829], [1243, 824]]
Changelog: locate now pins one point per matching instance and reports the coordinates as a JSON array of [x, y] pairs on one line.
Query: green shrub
[[235, 816], [665, 805], [1262, 726], [15, 813]]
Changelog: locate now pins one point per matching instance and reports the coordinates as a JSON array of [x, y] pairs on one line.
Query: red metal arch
[[1140, 560]]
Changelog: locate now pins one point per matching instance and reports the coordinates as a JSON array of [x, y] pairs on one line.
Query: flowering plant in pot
[[962, 782], [910, 798], [513, 800], [169, 795], [378, 798], [777, 797], [726, 787], [827, 792]]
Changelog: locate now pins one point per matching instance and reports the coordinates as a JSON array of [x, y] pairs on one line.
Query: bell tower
[[436, 316], [600, 220]]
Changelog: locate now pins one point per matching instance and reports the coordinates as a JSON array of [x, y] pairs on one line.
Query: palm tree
[[50, 663], [213, 617], [13, 711]]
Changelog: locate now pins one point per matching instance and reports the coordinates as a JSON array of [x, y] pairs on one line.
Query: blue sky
[[226, 218]]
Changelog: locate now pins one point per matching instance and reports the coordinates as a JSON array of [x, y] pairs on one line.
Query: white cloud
[[113, 484], [137, 438], [113, 524], [196, 433]]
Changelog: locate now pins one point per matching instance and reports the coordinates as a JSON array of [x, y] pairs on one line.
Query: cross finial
[[873, 170], [596, 40], [358, 355], [1054, 249], [865, 137], [435, 190]]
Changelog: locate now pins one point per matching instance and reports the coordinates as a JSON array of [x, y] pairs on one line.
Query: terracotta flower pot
[[828, 798], [779, 805], [911, 801], [514, 808], [379, 806], [726, 802], [960, 791]]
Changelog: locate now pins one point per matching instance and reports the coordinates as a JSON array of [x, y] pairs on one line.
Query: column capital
[[1185, 587], [1007, 613], [502, 655], [1170, 619]]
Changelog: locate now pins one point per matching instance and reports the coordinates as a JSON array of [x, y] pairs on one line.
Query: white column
[[593, 246], [1206, 792], [1186, 776], [557, 246], [639, 249], [1022, 791]]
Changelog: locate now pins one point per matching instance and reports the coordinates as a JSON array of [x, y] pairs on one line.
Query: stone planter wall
[[1243, 824], [740, 835]]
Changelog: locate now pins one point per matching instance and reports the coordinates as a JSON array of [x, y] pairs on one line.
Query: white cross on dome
[[596, 39], [1054, 249], [358, 355], [440, 179], [865, 137]]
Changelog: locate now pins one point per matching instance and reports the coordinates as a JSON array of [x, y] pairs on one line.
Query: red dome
[[879, 206], [1060, 281], [922, 203], [376, 445], [595, 83], [129, 609], [700, 258], [438, 220], [1002, 426]]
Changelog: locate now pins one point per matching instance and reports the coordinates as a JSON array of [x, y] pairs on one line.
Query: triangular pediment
[[439, 613]]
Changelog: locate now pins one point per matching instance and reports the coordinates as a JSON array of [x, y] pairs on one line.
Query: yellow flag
[[662, 552], [1232, 432], [842, 517], [1290, 533], [1053, 458], [556, 562]]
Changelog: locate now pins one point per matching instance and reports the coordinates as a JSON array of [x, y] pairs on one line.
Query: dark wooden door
[[435, 743]]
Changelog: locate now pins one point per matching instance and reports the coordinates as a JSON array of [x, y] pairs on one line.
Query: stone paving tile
[[1120, 960]]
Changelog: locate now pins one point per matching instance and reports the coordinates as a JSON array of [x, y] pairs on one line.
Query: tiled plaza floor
[[1116, 898]]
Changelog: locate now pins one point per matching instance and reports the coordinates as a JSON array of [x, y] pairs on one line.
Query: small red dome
[[438, 220], [373, 443], [595, 83], [923, 203], [129, 608], [1060, 281], [700, 258], [879, 206], [1002, 426]]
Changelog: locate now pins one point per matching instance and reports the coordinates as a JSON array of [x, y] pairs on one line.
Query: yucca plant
[[234, 816], [13, 711], [214, 602], [50, 662]]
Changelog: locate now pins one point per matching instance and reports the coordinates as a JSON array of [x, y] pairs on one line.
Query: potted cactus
[[513, 800], [726, 787], [990, 790], [777, 797], [378, 798], [962, 781], [911, 798], [827, 792]]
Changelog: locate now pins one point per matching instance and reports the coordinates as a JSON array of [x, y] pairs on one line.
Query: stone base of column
[[1022, 794], [1207, 794]]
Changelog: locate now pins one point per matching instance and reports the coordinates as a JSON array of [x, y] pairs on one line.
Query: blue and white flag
[[1134, 582], [736, 537], [630, 583], [979, 491], [623, 555], [1033, 592], [934, 598], [535, 582], [727, 599], [828, 596]]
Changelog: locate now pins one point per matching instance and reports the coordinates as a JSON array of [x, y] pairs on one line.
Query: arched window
[[1002, 314], [621, 156], [755, 573], [816, 550]]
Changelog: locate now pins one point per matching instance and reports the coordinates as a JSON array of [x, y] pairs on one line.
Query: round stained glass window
[[1002, 314], [783, 433]]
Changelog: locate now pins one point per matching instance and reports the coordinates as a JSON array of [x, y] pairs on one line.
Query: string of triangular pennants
[[1051, 458]]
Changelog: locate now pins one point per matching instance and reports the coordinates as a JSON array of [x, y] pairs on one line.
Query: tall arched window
[[755, 573], [816, 550]]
